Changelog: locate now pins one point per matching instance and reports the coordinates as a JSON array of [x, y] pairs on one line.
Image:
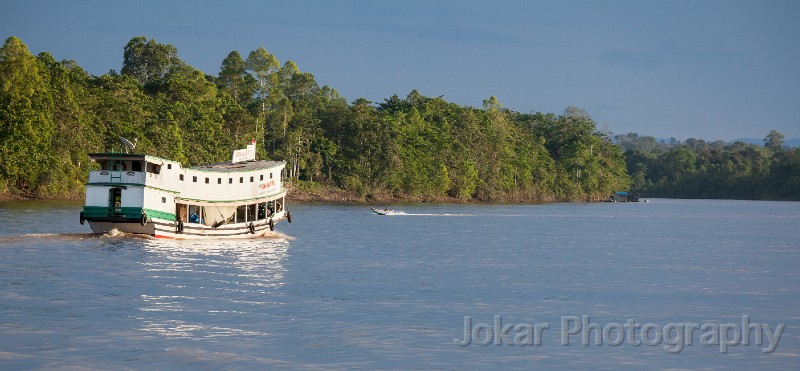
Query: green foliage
[[54, 113], [234, 79], [146, 60], [774, 141], [697, 169], [26, 116]]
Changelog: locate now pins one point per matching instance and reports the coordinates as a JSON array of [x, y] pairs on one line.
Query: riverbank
[[315, 192], [320, 193], [10, 194], [299, 193]]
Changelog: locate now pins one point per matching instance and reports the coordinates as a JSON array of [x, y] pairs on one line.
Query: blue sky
[[703, 69]]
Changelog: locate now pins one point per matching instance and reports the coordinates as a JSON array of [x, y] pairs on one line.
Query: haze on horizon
[[710, 69]]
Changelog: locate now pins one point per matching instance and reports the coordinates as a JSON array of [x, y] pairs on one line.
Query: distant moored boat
[[625, 197]]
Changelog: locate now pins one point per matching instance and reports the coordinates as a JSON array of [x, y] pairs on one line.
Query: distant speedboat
[[384, 211]]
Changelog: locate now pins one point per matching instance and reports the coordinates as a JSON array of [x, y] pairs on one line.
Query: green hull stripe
[[159, 214], [124, 212], [105, 212]]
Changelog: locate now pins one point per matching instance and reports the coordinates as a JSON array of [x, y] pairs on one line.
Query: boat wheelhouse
[[136, 193]]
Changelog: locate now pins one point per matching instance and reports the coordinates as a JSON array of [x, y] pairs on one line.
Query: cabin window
[[136, 166], [118, 165], [163, 200], [262, 210], [180, 177], [251, 212], [230, 180], [219, 180], [181, 212], [169, 166], [241, 213], [196, 214], [261, 177], [115, 197], [241, 179], [251, 179], [153, 168], [206, 180], [194, 179], [270, 175]]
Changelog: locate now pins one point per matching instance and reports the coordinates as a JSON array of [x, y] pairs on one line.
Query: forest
[[699, 169], [53, 113]]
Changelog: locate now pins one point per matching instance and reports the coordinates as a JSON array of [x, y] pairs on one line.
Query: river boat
[[625, 197], [141, 194]]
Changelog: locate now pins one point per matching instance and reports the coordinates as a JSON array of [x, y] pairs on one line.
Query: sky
[[703, 69]]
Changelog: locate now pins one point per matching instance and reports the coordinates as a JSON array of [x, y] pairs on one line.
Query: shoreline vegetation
[[53, 114], [304, 193]]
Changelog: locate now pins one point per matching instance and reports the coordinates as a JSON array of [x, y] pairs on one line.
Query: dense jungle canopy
[[53, 113]]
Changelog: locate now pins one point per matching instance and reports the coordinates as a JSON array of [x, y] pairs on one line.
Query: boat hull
[[161, 228]]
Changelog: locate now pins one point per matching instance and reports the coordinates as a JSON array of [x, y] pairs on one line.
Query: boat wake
[[116, 233], [48, 237], [403, 213]]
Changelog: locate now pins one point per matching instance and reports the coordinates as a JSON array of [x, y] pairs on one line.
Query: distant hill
[[791, 143], [633, 141]]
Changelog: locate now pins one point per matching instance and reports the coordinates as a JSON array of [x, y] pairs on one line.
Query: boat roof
[[124, 156], [115, 154], [223, 167], [227, 166]]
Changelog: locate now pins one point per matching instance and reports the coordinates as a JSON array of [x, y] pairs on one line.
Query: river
[[663, 284]]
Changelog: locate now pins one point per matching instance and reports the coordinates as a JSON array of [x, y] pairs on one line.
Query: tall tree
[[191, 104], [265, 66], [146, 60], [234, 79], [74, 135], [26, 122], [774, 141]]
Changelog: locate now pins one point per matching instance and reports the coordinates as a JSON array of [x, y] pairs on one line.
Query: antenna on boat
[[127, 144]]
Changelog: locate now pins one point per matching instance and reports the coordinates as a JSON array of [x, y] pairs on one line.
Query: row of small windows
[[124, 165], [230, 180]]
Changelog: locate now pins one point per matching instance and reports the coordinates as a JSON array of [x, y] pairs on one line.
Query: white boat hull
[[161, 228]]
